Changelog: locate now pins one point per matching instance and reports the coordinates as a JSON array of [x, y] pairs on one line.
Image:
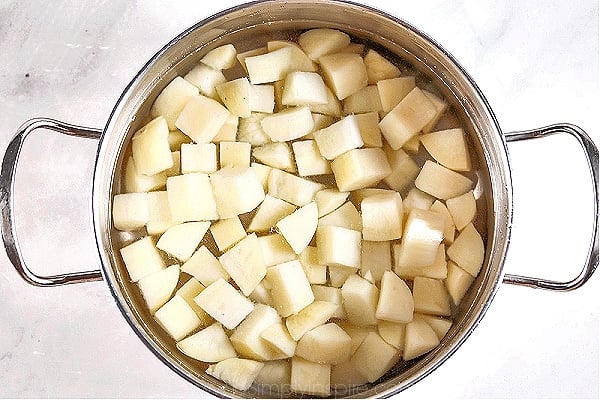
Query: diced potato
[[382, 217], [262, 172], [430, 296], [291, 188], [304, 88], [357, 196], [375, 258], [363, 101], [333, 107], [234, 154], [339, 137], [462, 209], [331, 295], [311, 316], [457, 282], [237, 372], [191, 198], [338, 274], [395, 302], [262, 294], [440, 326], [290, 288], [201, 157], [379, 68], [442, 182], [276, 155], [392, 91], [468, 250], [449, 227], [322, 41], [345, 216], [159, 213], [227, 232], [205, 78], [188, 292], [237, 190], [437, 270], [275, 65], [309, 159], [180, 241], [141, 258], [177, 318], [316, 273], [325, 344], [235, 95], [222, 57], [374, 357], [356, 333], [329, 200], [289, 124], [275, 249], [419, 339], [250, 130], [392, 333], [299, 61], [172, 100], [270, 211], [407, 118], [228, 131], [150, 148], [417, 200], [449, 148], [440, 107], [278, 337], [299, 227], [157, 287], [134, 182], [211, 344], [202, 118], [368, 125], [205, 267], [130, 211], [310, 378], [360, 168], [423, 234], [262, 98], [254, 52], [275, 375], [245, 264], [224, 303], [404, 169], [345, 73], [246, 337], [338, 246], [360, 300]]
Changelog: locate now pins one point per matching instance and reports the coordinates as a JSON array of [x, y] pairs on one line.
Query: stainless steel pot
[[253, 23]]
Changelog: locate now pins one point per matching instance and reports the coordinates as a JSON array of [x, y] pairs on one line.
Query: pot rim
[[101, 208]]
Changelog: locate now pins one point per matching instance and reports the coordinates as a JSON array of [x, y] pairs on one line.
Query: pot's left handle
[[7, 177]]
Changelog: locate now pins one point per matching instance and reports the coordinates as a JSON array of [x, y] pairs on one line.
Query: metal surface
[[591, 155], [7, 180]]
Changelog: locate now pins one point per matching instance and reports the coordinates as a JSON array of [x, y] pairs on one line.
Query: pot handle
[[7, 177], [591, 154]]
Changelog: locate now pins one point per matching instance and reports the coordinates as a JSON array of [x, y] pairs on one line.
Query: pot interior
[[251, 26]]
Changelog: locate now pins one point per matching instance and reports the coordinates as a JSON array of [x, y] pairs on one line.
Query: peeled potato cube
[[363, 101], [339, 138], [309, 159], [395, 302], [449, 227], [440, 106], [188, 292], [157, 287], [262, 172], [198, 157], [392, 333], [417, 199], [468, 250], [276, 155], [436, 270], [177, 318], [236, 372], [277, 337], [289, 124], [275, 249], [329, 200], [202, 118], [227, 232], [333, 107], [234, 154], [449, 148], [180, 241], [423, 234], [382, 217], [141, 258], [228, 131], [331, 295], [374, 357], [250, 130], [222, 57], [290, 288], [191, 198], [379, 68], [442, 182], [430, 296], [245, 264], [404, 169], [360, 168], [262, 98], [235, 95], [130, 211], [299, 227], [325, 344], [159, 213], [304, 88], [211, 344], [276, 375], [205, 78], [315, 272], [345, 73], [360, 300], [274, 65], [270, 211], [150, 148], [139, 183], [291, 188], [254, 52], [246, 337], [172, 100], [338, 246], [407, 118], [457, 282], [368, 125], [338, 274], [392, 91], [205, 267], [299, 61], [440, 326], [419, 339], [237, 190], [262, 294], [321, 41], [224, 303], [310, 378], [376, 258], [311, 316], [345, 216], [462, 209]]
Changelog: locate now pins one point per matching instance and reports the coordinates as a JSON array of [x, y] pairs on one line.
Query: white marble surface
[[537, 63]]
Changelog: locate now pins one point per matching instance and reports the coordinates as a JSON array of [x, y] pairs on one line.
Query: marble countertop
[[536, 62]]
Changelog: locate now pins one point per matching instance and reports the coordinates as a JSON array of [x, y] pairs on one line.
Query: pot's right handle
[[591, 153], [7, 177]]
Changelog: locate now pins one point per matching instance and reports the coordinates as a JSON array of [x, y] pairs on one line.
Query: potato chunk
[[339, 138], [374, 357], [345, 73], [310, 378], [382, 217], [224, 303], [237, 372], [245, 264], [237, 190], [395, 302], [172, 100], [141, 258], [202, 118], [468, 250], [442, 182], [290, 288], [360, 300], [150, 148], [209, 345], [360, 168], [325, 344]]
